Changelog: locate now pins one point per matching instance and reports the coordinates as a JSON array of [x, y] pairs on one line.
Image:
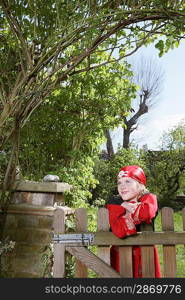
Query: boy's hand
[[130, 207]]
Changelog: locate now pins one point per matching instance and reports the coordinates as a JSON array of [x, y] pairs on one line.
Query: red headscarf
[[134, 172]]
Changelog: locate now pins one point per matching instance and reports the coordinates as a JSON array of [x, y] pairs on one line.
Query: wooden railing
[[103, 239]]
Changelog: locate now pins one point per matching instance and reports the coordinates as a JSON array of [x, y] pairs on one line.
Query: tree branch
[[16, 29]]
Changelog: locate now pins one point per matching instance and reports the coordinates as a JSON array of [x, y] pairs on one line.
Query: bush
[[81, 177], [6, 246]]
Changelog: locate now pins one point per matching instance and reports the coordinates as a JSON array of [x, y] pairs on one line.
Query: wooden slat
[[81, 224], [103, 225], [59, 250], [147, 255], [183, 218], [93, 262], [183, 222], [146, 227], [167, 219], [125, 257], [169, 252], [169, 258], [147, 258], [141, 238]]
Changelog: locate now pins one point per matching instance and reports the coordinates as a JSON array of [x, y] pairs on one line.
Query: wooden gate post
[[103, 225], [81, 225], [59, 249], [169, 252], [183, 221], [125, 254], [147, 255]]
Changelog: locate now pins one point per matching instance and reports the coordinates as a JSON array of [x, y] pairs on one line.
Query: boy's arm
[[120, 224], [147, 209], [123, 223]]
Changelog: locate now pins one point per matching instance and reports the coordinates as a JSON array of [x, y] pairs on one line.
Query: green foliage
[[3, 163], [46, 262], [164, 174], [71, 122], [6, 246], [48, 52], [45, 42], [160, 46], [174, 138], [81, 176], [69, 127], [46, 45]]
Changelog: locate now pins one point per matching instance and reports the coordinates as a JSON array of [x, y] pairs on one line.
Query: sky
[[170, 108]]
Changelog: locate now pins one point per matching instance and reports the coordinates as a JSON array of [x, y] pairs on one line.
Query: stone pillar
[[29, 222]]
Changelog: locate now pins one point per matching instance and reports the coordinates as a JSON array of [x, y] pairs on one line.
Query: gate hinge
[[83, 239]]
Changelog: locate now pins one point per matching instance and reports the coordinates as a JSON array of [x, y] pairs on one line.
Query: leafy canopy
[[44, 42]]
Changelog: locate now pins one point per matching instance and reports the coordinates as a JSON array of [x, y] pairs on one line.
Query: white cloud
[[150, 132]]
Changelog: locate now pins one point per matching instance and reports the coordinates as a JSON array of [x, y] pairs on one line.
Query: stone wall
[[29, 222]]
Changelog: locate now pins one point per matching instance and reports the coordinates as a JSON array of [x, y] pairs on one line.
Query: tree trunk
[[131, 124], [109, 145], [10, 173], [9, 178], [126, 138]]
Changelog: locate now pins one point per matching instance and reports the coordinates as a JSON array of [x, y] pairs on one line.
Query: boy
[[134, 205]]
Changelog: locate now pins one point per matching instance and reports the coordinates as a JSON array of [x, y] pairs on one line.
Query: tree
[[69, 126], [109, 144], [43, 43], [149, 77], [174, 139]]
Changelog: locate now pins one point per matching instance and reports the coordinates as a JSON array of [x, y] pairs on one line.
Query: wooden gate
[[103, 239]]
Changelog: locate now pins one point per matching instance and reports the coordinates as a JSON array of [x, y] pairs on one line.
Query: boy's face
[[128, 188]]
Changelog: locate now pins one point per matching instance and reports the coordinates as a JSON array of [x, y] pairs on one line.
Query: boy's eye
[[125, 182]]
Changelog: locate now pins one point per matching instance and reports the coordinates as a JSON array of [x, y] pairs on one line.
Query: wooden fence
[[103, 239]]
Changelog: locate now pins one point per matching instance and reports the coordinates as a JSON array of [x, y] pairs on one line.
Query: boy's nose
[[123, 186]]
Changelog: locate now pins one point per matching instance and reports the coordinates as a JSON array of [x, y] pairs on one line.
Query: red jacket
[[123, 225]]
